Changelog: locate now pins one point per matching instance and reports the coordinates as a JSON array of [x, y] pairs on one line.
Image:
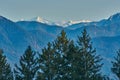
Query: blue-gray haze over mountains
[[16, 36]]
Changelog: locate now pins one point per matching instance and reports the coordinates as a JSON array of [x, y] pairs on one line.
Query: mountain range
[[58, 23], [16, 36]]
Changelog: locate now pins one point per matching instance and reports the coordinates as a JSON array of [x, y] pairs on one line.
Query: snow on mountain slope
[[58, 23], [41, 20]]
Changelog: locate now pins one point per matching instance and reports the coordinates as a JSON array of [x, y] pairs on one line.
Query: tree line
[[62, 59]]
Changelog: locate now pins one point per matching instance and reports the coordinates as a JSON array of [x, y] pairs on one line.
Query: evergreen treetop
[[87, 60], [116, 65], [28, 66], [5, 69]]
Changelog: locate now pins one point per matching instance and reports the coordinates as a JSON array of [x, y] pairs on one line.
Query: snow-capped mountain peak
[[58, 23], [70, 22], [39, 19]]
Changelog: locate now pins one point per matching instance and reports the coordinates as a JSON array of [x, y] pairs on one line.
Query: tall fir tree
[[54, 65], [116, 65], [47, 71], [28, 66], [5, 69], [63, 60], [71, 55], [61, 45], [88, 64]]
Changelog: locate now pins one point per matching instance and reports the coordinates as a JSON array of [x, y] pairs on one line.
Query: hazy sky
[[59, 10]]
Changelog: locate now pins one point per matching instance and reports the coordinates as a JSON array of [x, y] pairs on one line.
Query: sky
[[59, 10]]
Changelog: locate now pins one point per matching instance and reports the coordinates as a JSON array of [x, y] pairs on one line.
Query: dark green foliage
[[46, 64], [52, 60], [71, 60], [5, 70], [87, 62], [61, 45], [28, 66], [60, 60], [116, 65], [106, 78], [63, 60]]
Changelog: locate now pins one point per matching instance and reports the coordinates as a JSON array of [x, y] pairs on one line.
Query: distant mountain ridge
[[16, 36], [58, 23]]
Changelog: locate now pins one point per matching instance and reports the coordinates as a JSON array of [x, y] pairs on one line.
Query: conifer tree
[[28, 66], [61, 45], [87, 65], [53, 61], [116, 65], [63, 60], [5, 69], [46, 64], [71, 55]]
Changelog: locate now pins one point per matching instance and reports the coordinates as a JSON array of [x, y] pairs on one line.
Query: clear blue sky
[[59, 10]]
